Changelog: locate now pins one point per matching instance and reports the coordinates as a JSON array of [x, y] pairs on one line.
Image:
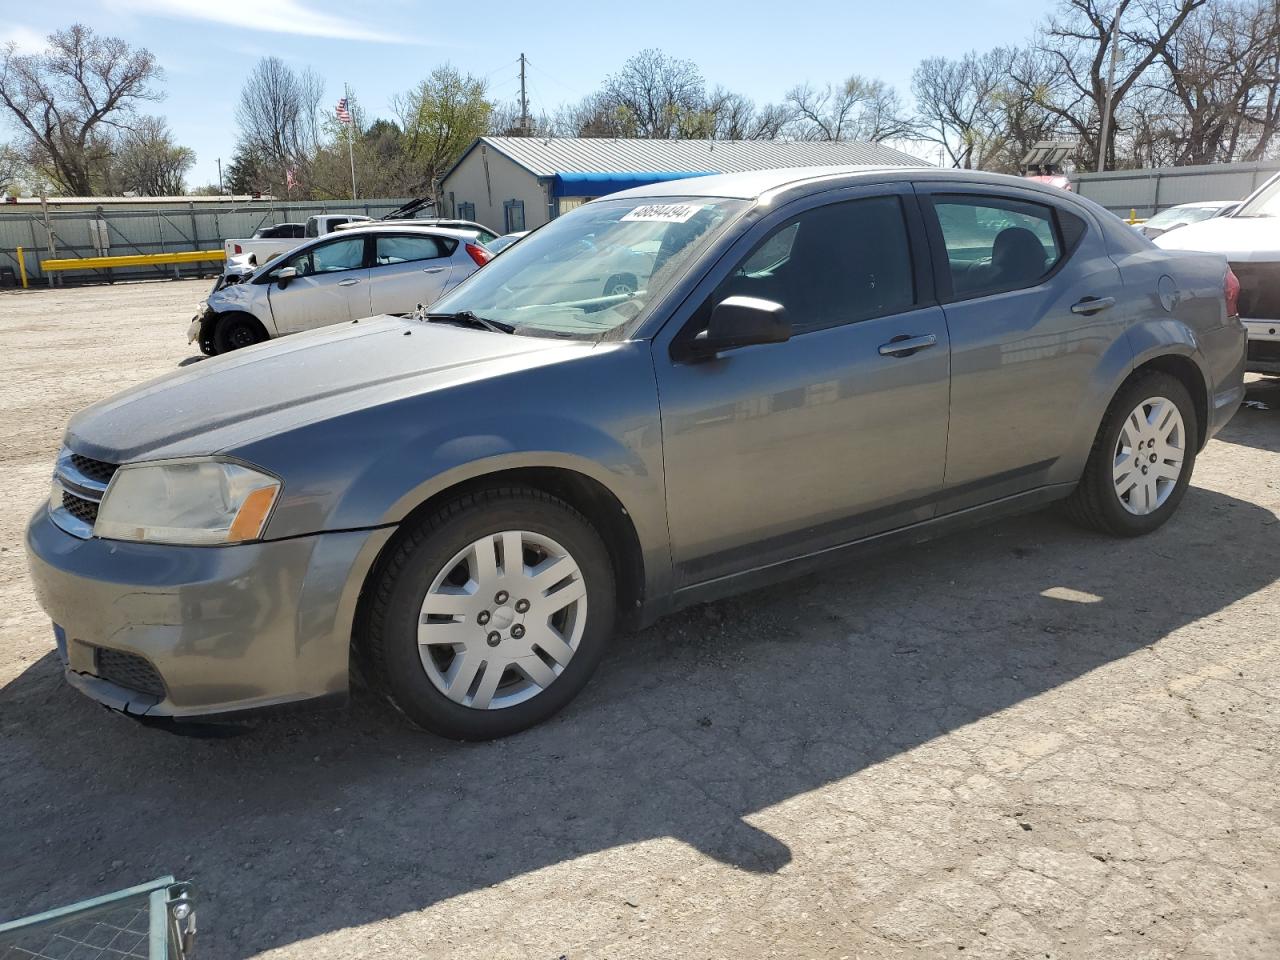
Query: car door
[[777, 450], [331, 286], [408, 269], [1029, 292]]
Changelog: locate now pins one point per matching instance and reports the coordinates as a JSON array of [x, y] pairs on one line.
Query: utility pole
[[220, 191], [524, 102], [1108, 105]]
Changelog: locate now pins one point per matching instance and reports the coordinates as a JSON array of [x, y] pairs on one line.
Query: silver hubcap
[[1149, 455], [502, 620]]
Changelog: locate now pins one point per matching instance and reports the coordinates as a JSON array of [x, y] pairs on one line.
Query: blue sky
[[207, 47]]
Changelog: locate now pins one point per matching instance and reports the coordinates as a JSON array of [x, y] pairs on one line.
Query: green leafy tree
[[440, 118]]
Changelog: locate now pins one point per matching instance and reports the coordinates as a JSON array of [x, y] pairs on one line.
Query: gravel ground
[[1025, 741]]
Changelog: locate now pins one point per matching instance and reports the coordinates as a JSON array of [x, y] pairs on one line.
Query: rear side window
[[405, 249], [994, 244], [832, 265], [339, 255]]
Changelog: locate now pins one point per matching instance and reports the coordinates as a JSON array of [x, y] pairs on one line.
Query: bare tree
[[1079, 44], [960, 104], [279, 116], [440, 118], [1218, 95], [146, 160], [653, 95], [733, 116], [860, 108], [11, 166], [67, 101]]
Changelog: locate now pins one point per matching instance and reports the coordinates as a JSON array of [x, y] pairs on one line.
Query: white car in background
[[344, 276], [1184, 214], [1250, 240]]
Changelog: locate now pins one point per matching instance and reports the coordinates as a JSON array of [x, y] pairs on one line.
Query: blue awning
[[602, 184]]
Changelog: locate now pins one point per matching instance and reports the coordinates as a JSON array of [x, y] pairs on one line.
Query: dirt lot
[[1026, 741]]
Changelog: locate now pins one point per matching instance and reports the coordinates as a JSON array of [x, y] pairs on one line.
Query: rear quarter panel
[[1182, 311]]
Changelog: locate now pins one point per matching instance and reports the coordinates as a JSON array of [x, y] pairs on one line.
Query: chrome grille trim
[[73, 486]]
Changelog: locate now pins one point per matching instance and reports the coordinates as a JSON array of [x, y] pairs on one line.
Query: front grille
[[80, 483], [1259, 290], [128, 670], [80, 508], [93, 469]]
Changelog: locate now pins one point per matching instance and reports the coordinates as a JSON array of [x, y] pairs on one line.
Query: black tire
[[619, 283], [236, 331], [206, 341], [1095, 503], [399, 585]]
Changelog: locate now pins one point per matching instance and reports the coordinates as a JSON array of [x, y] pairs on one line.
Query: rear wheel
[[236, 330], [491, 614], [620, 284], [1142, 458]]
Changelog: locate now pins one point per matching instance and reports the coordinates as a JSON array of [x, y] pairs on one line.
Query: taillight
[[478, 253], [1231, 287], [238, 248]]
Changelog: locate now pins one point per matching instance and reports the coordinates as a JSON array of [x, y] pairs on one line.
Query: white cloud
[[275, 16], [24, 38]]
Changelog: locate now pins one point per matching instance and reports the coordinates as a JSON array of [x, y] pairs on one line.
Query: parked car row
[[665, 396], [1249, 238]]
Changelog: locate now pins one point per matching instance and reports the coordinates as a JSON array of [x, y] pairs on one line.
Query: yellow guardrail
[[134, 260]]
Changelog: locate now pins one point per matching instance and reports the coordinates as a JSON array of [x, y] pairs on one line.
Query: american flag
[[344, 115]]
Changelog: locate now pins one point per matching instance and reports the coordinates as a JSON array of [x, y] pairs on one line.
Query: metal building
[[518, 183]]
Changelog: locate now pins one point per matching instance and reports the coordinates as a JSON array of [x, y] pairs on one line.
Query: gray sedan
[[466, 505]]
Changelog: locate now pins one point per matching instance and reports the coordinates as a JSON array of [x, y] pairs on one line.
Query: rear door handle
[[432, 269], [348, 282], [905, 346], [1091, 305]]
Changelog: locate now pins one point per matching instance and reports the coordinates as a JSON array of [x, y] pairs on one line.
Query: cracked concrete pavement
[[1024, 741]]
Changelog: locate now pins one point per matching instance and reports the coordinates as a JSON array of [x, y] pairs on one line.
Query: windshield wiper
[[465, 318]]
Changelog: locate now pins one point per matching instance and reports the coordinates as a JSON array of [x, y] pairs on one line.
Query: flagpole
[[351, 140]]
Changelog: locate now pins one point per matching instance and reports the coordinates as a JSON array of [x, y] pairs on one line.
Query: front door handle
[[905, 346], [432, 269], [1091, 305], [348, 282]]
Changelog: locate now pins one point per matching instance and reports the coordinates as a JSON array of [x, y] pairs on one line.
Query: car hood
[[234, 399], [1237, 238]]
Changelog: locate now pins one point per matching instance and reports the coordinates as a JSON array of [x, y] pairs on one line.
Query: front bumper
[[1264, 346], [227, 629], [197, 322]]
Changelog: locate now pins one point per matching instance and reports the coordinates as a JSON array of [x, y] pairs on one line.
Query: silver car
[[466, 505], [359, 272]]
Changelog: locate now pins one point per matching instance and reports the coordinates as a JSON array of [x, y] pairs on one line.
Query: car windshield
[[1265, 204], [588, 274], [1167, 218]]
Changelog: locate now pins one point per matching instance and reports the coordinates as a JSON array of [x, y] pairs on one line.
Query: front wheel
[[491, 614], [236, 330], [1142, 458]]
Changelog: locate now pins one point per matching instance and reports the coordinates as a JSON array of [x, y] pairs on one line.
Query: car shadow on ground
[[315, 823], [1257, 422], [188, 361]]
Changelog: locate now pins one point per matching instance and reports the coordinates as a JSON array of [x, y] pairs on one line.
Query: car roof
[[377, 226], [754, 184]]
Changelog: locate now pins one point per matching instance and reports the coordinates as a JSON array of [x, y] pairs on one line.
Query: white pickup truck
[[263, 249], [1250, 240]]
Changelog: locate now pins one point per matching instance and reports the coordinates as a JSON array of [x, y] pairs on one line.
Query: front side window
[[994, 244], [404, 249], [837, 264], [329, 257], [589, 274]]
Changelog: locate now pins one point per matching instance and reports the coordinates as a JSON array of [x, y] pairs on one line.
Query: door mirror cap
[[284, 275], [742, 322]]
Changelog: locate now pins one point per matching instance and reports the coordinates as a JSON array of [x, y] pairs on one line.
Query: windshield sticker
[[665, 212]]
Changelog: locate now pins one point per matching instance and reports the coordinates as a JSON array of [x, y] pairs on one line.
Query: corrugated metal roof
[[546, 157]]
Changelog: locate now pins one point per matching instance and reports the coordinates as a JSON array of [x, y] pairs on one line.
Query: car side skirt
[[721, 587]]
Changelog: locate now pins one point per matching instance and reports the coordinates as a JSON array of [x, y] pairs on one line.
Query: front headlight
[[186, 502]]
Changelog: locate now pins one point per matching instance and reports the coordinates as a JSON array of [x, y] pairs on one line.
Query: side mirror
[[284, 275], [742, 322]]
